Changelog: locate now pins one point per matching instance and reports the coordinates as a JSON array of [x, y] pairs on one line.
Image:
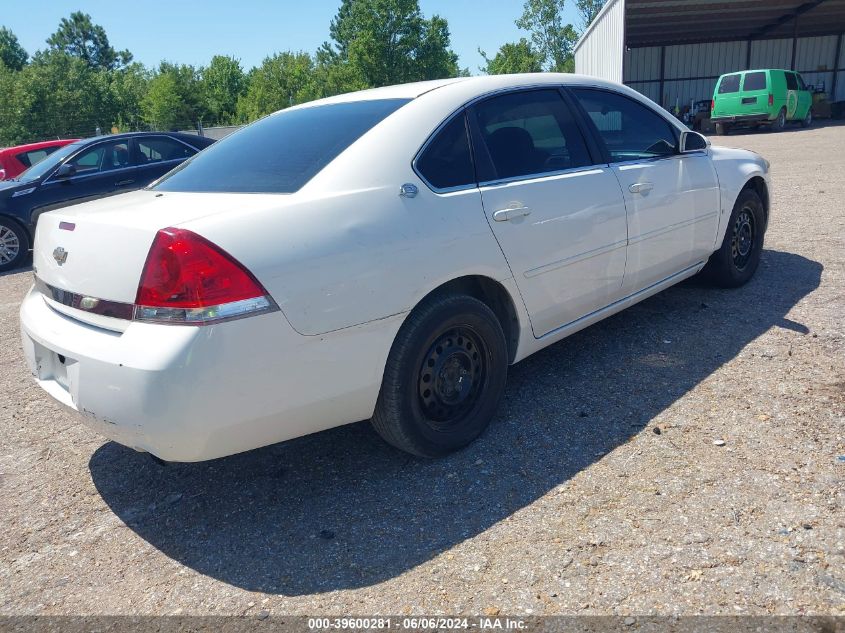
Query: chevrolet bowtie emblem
[[60, 255]]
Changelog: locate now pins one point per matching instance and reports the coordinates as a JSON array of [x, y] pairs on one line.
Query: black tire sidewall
[[457, 311], [23, 240], [728, 273], [780, 121]]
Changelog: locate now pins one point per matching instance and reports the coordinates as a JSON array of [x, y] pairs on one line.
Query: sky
[[192, 32]]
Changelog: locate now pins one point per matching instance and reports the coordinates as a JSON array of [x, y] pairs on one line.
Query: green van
[[761, 97]]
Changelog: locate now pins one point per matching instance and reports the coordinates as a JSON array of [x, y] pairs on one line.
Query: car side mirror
[[66, 171], [693, 142]]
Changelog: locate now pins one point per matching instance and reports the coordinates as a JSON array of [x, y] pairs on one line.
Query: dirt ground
[[599, 489]]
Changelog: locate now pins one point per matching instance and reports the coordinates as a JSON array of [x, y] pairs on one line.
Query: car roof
[[39, 145], [760, 70], [481, 84]]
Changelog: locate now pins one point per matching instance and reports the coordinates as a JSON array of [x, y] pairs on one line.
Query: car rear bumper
[[741, 118], [188, 393]]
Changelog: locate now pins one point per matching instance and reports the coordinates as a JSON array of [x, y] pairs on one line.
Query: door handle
[[120, 183], [641, 187], [503, 215]]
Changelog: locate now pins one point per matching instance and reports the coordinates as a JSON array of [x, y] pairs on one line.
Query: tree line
[[80, 85]]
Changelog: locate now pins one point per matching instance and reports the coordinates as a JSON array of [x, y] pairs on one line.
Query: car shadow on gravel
[[341, 510]]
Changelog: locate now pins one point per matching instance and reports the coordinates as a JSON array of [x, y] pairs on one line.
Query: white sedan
[[380, 255]]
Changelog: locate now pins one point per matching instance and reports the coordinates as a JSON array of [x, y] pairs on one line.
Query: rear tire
[[444, 377], [807, 121], [722, 129], [780, 122], [735, 263], [14, 244]]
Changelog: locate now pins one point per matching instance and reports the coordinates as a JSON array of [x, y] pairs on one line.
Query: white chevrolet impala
[[380, 255]]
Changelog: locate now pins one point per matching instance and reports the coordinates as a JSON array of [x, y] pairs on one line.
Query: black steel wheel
[[742, 237], [737, 259], [452, 376], [444, 377]]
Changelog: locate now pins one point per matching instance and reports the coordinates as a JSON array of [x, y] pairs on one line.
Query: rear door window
[[529, 133], [791, 81], [447, 161], [754, 81], [729, 84], [159, 149], [281, 152]]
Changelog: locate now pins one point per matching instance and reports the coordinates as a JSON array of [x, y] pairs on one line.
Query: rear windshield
[[729, 83], [755, 81], [280, 153]]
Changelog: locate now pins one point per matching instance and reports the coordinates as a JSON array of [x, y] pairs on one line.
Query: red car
[[15, 160]]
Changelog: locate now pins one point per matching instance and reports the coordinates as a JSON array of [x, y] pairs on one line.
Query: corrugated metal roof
[[665, 22]]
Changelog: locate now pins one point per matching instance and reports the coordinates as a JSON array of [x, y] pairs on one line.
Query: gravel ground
[[599, 489]]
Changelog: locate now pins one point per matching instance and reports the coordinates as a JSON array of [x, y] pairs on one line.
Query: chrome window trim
[[543, 175]]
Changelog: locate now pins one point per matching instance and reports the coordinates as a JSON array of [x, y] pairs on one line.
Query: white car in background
[[384, 254]]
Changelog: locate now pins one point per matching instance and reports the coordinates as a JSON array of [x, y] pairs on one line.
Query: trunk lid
[[99, 249]]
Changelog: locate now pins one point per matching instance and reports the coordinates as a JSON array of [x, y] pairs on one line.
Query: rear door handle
[[120, 183], [503, 215], [641, 187]]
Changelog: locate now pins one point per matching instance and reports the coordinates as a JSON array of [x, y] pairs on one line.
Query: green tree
[[79, 37], [588, 10], [334, 76], [11, 129], [174, 98], [12, 53], [552, 39], [281, 81], [390, 41], [518, 57], [127, 88], [223, 82], [58, 95], [162, 107]]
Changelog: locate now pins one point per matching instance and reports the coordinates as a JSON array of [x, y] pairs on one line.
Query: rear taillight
[[712, 104], [771, 99], [188, 280]]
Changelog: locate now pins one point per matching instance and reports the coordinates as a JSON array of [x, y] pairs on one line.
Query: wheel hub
[[9, 245], [451, 375], [742, 242]]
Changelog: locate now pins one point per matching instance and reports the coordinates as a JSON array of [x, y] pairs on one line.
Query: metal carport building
[[673, 51]]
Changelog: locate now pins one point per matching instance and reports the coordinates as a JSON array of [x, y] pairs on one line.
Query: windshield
[[281, 152], [49, 164]]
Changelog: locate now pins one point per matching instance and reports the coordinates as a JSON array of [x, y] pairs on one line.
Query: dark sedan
[[81, 171]]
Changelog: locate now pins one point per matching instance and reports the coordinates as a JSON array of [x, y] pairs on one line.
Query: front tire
[[444, 377], [735, 263], [14, 244]]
